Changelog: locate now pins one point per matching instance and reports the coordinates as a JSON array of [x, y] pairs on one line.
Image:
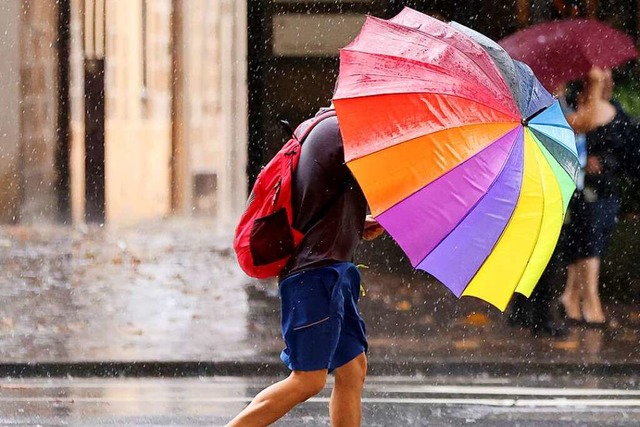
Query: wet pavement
[[168, 296], [387, 401]]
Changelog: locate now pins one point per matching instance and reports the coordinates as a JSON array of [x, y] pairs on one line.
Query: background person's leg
[[570, 298], [591, 306], [604, 214], [345, 407], [276, 400], [577, 242]]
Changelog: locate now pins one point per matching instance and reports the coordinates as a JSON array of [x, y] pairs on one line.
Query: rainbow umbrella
[[465, 159]]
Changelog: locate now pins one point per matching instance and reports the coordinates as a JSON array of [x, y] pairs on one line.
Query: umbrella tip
[[526, 120]]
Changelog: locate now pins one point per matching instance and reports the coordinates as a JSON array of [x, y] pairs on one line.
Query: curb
[[274, 367]]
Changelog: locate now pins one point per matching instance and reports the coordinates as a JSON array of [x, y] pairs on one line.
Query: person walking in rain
[[594, 209], [319, 288]]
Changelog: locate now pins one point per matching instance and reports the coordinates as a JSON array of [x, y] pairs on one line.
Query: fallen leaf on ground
[[466, 344], [403, 305], [476, 319]]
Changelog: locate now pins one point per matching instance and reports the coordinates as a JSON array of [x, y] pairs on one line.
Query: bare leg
[[570, 298], [276, 400], [345, 407], [591, 305]]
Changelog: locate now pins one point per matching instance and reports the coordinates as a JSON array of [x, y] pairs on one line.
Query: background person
[[594, 210]]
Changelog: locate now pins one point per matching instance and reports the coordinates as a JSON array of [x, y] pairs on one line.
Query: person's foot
[[592, 312], [569, 308]]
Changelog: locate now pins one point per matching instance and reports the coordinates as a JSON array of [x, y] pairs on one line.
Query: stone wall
[[138, 121], [138, 110], [39, 101], [139, 145], [215, 93], [28, 111], [76, 125], [10, 179]]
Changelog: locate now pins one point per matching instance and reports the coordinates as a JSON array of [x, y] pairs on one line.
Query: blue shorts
[[321, 325]]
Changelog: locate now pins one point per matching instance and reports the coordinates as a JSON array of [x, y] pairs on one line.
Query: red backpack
[[265, 238]]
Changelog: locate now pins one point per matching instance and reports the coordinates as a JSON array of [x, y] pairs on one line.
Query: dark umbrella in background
[[561, 51]]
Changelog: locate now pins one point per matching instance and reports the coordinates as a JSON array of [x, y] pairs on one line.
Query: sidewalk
[[167, 298]]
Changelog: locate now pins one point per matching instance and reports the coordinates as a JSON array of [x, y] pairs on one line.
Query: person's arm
[[580, 121]]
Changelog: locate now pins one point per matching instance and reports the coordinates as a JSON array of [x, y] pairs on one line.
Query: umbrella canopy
[[560, 51], [465, 159]]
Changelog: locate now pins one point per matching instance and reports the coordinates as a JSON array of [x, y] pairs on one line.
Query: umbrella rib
[[431, 133], [538, 168], [538, 132], [555, 140], [501, 233], [489, 107], [568, 126], [516, 118], [440, 70], [530, 96], [475, 204], [560, 146], [494, 51], [534, 115], [481, 50], [427, 65]]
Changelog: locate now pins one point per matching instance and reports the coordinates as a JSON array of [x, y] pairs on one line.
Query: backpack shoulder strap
[[307, 126]]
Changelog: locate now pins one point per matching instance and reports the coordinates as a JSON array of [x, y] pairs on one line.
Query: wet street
[[171, 292], [388, 401], [162, 291], [155, 325], [495, 141]]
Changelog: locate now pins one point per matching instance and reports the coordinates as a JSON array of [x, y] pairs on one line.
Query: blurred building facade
[[122, 111], [28, 110]]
